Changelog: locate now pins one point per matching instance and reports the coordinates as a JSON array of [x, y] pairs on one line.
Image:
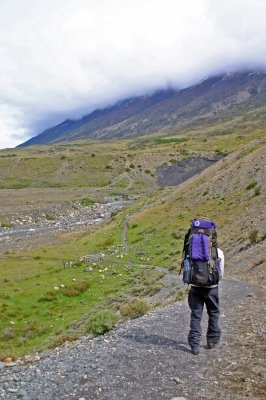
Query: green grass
[[253, 236], [38, 302], [168, 140], [87, 201], [39, 292], [120, 184], [32, 167], [251, 185], [101, 322], [6, 225]]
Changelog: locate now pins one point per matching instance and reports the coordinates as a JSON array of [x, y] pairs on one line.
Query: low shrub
[[76, 289], [4, 355], [101, 322], [49, 217], [6, 225], [180, 295], [221, 153], [87, 201], [135, 308], [251, 185], [108, 242], [67, 337], [263, 237], [170, 140], [49, 297], [151, 290], [253, 236], [8, 333], [33, 329], [138, 289]]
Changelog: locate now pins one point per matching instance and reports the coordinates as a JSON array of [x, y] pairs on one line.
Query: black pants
[[196, 299]]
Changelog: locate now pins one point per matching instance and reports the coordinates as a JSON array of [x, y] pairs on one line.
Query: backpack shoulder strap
[[186, 243]]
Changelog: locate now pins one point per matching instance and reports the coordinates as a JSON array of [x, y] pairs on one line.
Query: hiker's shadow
[[140, 336]]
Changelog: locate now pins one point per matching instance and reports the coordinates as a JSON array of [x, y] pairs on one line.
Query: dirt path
[[124, 233], [124, 175], [148, 358]]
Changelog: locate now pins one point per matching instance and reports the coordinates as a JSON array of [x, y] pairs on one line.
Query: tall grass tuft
[[101, 322], [87, 201], [253, 236], [76, 289], [49, 297], [135, 308], [251, 185]]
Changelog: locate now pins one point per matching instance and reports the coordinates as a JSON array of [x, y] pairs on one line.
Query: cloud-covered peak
[[63, 59]]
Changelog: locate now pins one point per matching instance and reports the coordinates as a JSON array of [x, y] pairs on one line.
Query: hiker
[[203, 267]]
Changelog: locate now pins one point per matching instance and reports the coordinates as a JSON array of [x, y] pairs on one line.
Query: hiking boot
[[195, 351], [210, 345]]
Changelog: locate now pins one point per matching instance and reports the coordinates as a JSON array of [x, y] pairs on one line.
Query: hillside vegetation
[[94, 164], [51, 293]]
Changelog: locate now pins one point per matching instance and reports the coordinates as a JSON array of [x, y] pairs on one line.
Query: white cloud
[[62, 58]]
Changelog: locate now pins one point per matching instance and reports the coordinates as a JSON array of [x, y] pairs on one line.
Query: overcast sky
[[62, 59]]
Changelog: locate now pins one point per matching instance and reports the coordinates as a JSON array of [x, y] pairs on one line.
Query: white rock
[[178, 398], [178, 380], [31, 359]]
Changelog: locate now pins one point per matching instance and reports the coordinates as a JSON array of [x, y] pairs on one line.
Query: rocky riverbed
[[27, 230]]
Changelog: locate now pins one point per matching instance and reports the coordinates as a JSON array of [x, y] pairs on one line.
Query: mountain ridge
[[220, 97]]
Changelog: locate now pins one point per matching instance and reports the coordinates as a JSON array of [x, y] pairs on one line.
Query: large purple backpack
[[200, 254]]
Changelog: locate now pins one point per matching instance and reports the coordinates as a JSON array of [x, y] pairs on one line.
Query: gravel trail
[[148, 358]]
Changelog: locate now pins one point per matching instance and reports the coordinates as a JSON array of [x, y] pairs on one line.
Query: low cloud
[[62, 59]]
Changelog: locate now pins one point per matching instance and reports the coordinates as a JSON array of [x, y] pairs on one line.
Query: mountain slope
[[219, 98]]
